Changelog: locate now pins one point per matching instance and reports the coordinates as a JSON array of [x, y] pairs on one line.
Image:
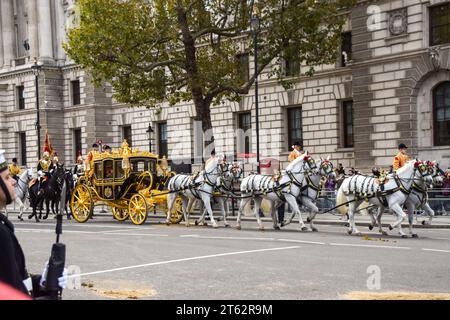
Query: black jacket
[[12, 261]]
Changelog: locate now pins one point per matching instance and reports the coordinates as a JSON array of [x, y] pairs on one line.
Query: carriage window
[[98, 170], [119, 171], [108, 166], [152, 166], [139, 166]]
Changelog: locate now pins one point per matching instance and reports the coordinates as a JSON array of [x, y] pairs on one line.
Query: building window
[[126, 135], [291, 67], [162, 139], [77, 143], [441, 104], [243, 67], [346, 48], [20, 97], [245, 134], [347, 124], [22, 148], [76, 97], [295, 129], [440, 24]]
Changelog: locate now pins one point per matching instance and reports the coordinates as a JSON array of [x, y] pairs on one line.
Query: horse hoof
[[414, 235], [196, 222], [308, 220], [238, 227], [30, 216], [349, 232], [358, 234], [45, 218], [384, 233], [261, 228], [423, 222], [390, 228], [276, 228], [167, 223], [404, 236], [304, 229], [370, 227], [314, 230], [346, 225], [227, 225], [215, 226]]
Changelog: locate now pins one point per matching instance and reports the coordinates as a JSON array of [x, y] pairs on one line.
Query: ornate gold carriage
[[129, 181]]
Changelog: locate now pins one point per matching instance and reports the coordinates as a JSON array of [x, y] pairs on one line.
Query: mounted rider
[[89, 162], [14, 169], [43, 168], [401, 158]]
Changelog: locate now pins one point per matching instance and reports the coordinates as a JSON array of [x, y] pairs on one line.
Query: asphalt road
[[155, 261]]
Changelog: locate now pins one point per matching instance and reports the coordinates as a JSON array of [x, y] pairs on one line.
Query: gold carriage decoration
[[131, 182]]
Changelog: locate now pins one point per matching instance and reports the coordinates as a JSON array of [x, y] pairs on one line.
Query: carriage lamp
[[150, 131], [36, 69]]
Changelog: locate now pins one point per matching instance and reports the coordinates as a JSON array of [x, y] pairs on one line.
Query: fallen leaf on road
[[366, 295]]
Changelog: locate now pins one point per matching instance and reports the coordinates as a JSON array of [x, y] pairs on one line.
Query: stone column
[[33, 38], [60, 31], [45, 30], [9, 42], [1, 45]]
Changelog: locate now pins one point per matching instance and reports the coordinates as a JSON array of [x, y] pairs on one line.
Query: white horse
[[191, 189], [259, 187], [392, 194], [21, 191], [312, 187], [225, 188]]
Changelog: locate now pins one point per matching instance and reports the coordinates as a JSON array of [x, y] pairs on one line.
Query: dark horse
[[70, 184], [50, 193]]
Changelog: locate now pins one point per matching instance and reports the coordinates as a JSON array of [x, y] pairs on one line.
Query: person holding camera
[[13, 270]]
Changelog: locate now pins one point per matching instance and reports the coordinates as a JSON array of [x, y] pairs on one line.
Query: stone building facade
[[390, 86]]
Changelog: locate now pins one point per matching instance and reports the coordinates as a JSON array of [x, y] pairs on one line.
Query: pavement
[[112, 260]]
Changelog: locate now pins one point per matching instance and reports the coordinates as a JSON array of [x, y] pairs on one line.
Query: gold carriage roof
[[124, 152]]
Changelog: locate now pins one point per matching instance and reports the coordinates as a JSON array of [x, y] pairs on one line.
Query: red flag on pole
[[47, 145]]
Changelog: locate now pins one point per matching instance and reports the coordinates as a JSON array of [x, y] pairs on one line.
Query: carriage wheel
[[177, 213], [81, 203], [120, 214], [137, 209]]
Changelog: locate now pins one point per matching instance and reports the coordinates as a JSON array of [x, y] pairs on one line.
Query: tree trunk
[[204, 115]]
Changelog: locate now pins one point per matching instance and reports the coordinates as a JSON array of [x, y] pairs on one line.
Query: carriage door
[[108, 178]]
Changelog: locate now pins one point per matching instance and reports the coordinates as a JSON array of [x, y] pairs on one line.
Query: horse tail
[[340, 199]]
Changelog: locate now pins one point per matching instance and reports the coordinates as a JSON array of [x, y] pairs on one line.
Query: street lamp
[[150, 131], [255, 27], [36, 68]]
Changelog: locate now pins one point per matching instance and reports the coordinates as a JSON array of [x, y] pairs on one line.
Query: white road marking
[[225, 238], [367, 246], [189, 236], [436, 250], [301, 241], [185, 259]]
